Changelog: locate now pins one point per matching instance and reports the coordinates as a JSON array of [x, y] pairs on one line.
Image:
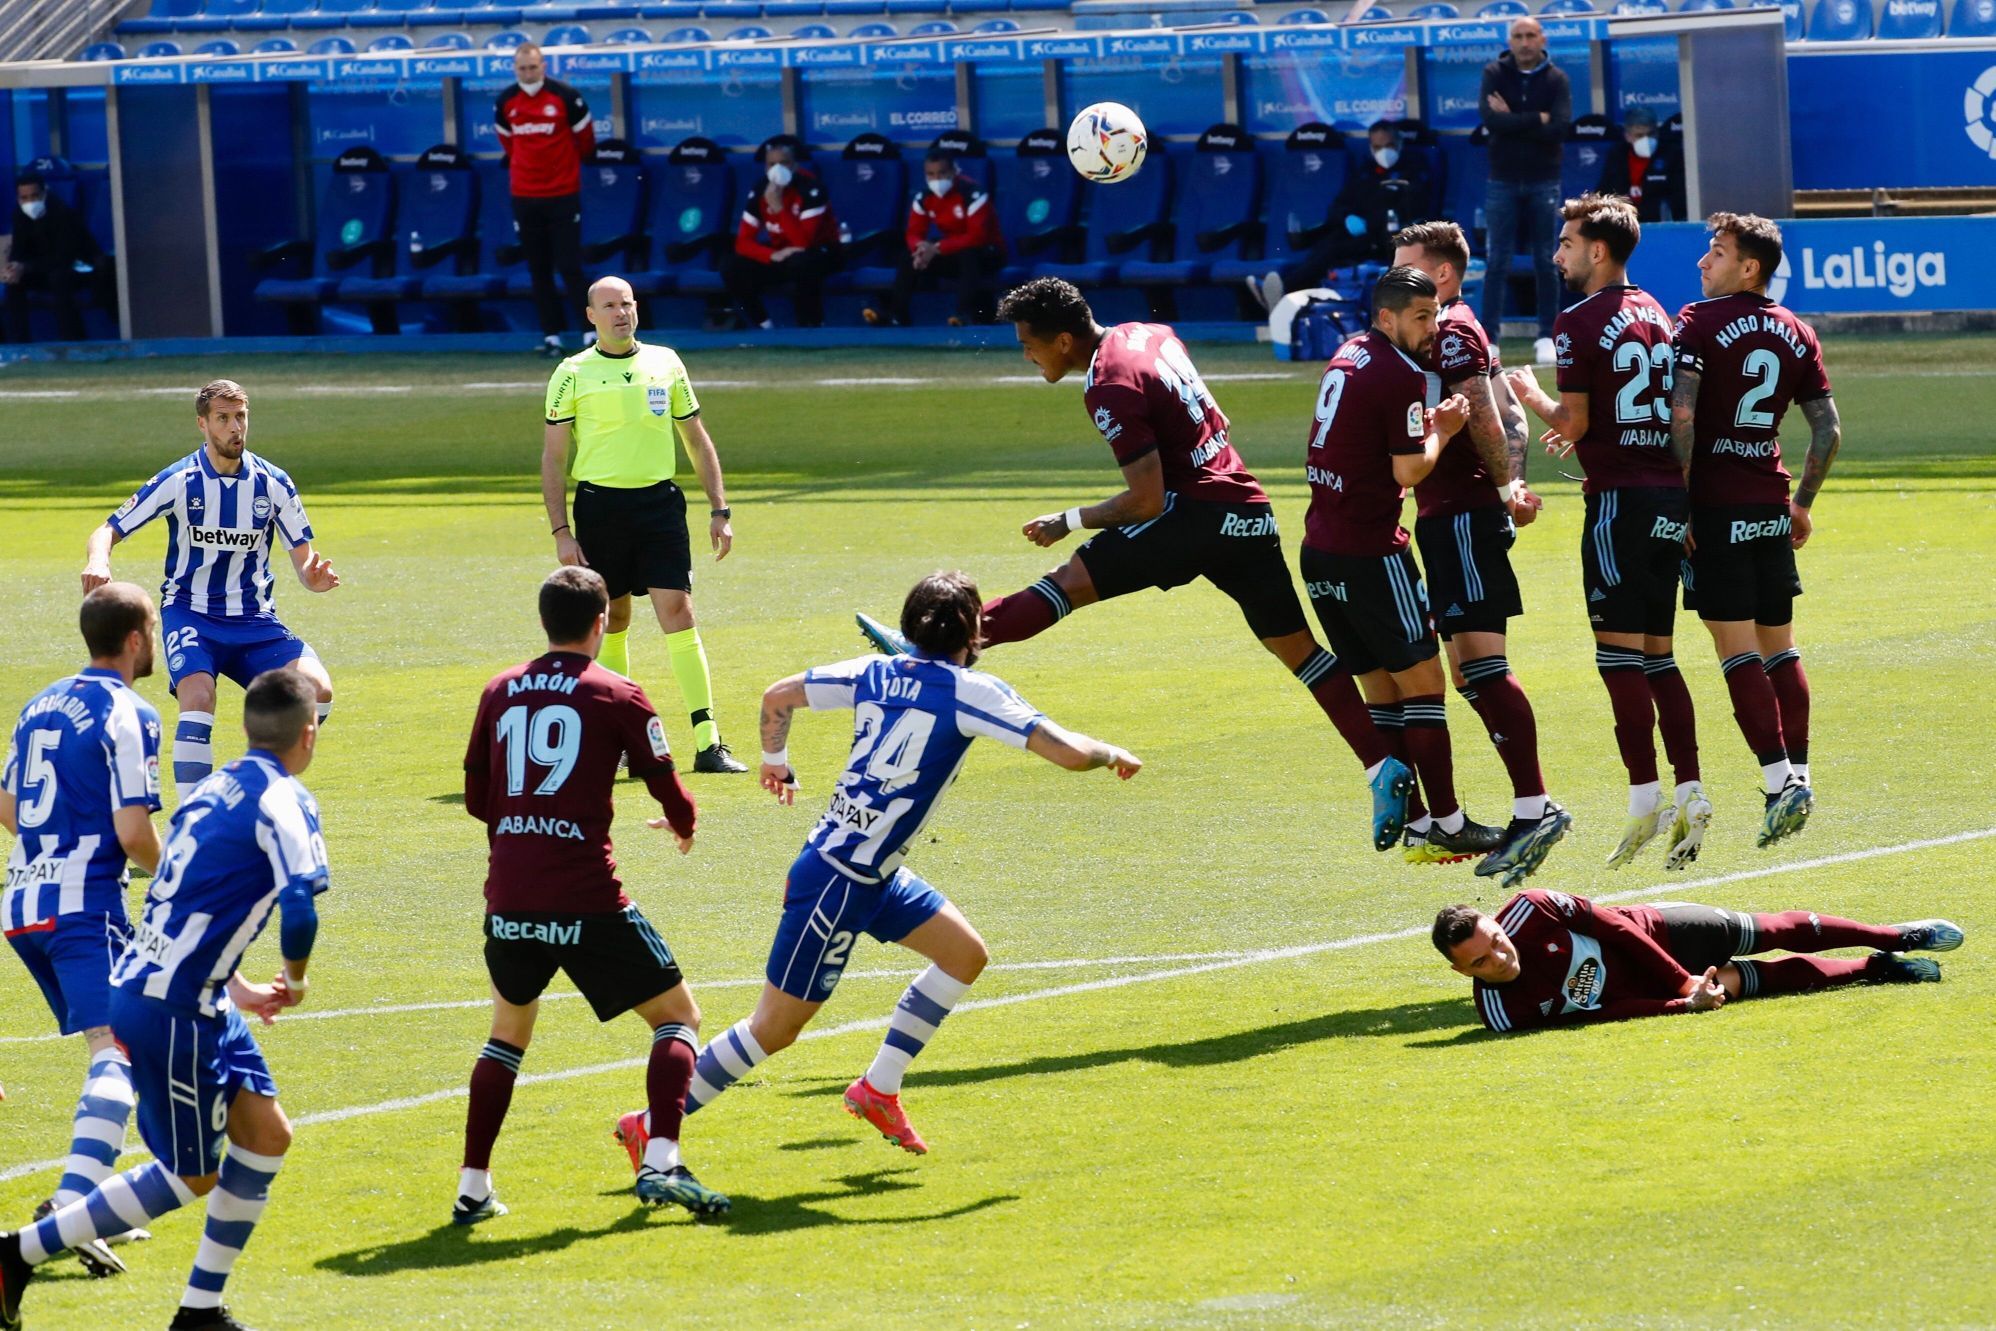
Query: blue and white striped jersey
[[913, 720], [85, 747], [247, 834], [218, 532]]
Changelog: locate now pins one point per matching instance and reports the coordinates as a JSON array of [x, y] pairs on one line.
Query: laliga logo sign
[[1976, 105], [1900, 272]]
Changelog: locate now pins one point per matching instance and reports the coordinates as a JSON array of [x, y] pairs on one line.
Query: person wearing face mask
[[1645, 171], [1527, 104], [787, 235], [547, 133], [53, 252], [1389, 190], [952, 235]]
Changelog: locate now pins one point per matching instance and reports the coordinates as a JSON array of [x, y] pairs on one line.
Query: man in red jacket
[[547, 133], [787, 234], [953, 234]]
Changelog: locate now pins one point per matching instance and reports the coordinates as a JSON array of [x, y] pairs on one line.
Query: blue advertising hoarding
[[1863, 265], [1905, 118]]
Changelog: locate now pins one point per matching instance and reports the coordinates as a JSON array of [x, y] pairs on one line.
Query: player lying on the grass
[[1549, 959], [1741, 359], [540, 774], [78, 792], [914, 717], [1191, 510], [244, 840], [222, 505]]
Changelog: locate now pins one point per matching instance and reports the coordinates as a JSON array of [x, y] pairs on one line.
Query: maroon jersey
[[1614, 346], [1371, 404], [539, 774], [1753, 358], [547, 136], [1460, 481], [1581, 962], [1145, 397]]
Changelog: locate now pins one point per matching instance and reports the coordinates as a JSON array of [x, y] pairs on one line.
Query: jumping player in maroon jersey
[[539, 774], [1741, 359], [1191, 509], [1380, 426], [1549, 959], [1615, 366], [1470, 507]]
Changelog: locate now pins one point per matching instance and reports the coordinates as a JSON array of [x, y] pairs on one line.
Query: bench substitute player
[[78, 792], [1379, 426], [1549, 959], [620, 402], [1191, 509], [242, 843], [223, 505], [1741, 360], [1615, 366], [539, 773], [1469, 509]]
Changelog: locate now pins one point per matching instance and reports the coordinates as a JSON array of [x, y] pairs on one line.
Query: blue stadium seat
[[691, 219], [1376, 14], [103, 51], [1214, 215], [1019, 6], [1465, 181], [216, 16], [1038, 195], [1791, 19], [872, 31], [449, 41], [904, 7], [1909, 20], [848, 7], [1504, 9], [436, 222], [176, 8], [60, 178], [868, 183], [498, 252], [403, 7], [749, 32], [962, 7], [1585, 152], [275, 46], [792, 8], [995, 27], [1701, 6], [815, 32], [1302, 16], [1305, 175], [393, 41], [354, 226], [159, 50], [628, 37], [1568, 7], [285, 9], [1127, 222], [940, 27], [218, 46], [505, 41], [1239, 18], [345, 8], [1434, 11], [1973, 18], [688, 35], [1840, 21], [1634, 8], [566, 34], [613, 214], [331, 46]]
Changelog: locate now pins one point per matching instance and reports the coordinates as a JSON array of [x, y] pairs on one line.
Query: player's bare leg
[[312, 668], [193, 732], [957, 956], [492, 1078], [651, 1135], [688, 658]]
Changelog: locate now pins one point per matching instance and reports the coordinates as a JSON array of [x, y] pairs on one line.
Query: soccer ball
[[1106, 142]]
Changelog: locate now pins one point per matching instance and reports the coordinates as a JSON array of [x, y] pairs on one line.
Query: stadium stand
[[875, 30], [449, 41], [495, 259], [1295, 16], [103, 51], [869, 188], [436, 222], [1434, 11], [1126, 224], [158, 50], [941, 27], [506, 41], [692, 216], [1214, 213], [1038, 201], [355, 225], [1973, 18], [1694, 6], [392, 41], [1504, 9], [1840, 21], [1909, 20], [275, 46], [613, 215], [331, 46], [1304, 177], [567, 34]]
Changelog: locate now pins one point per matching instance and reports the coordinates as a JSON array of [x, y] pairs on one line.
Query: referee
[[619, 401]]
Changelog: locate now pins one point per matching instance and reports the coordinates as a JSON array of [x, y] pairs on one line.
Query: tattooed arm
[[1486, 430], [1684, 417], [1826, 436]]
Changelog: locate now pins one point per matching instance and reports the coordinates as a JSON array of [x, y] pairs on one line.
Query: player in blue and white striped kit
[[914, 717], [244, 842], [222, 505], [79, 789]]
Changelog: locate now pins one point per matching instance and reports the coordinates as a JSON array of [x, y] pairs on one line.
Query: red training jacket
[[802, 221], [547, 136], [964, 218]]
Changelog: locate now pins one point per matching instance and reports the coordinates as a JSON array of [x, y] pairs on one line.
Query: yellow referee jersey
[[623, 408]]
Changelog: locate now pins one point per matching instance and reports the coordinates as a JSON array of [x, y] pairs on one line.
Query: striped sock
[[1758, 716], [1019, 616], [1621, 670], [921, 1009], [492, 1078], [1675, 719], [1334, 690], [1433, 759], [674, 1053], [234, 1207], [1791, 689], [1392, 727], [98, 1131], [726, 1059], [131, 1200], [193, 751]]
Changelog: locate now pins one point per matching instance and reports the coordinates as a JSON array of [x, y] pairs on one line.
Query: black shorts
[[1631, 556], [1233, 546], [615, 958], [1467, 557], [635, 538], [1373, 608], [1700, 937], [1742, 565]]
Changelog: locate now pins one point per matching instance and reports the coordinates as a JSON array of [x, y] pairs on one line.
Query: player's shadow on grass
[[754, 1216], [450, 1245]]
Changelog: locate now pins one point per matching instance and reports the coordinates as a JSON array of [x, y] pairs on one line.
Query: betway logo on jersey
[[1753, 531], [534, 127], [1236, 525], [538, 931], [225, 538], [531, 825]]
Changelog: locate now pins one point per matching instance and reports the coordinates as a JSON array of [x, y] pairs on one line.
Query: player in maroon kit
[[1470, 507], [1615, 366], [953, 234], [1549, 959], [1741, 359], [547, 133], [1380, 427], [1190, 510], [539, 773], [787, 234]]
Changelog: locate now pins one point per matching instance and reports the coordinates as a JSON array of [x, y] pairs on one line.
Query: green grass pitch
[[1213, 1079]]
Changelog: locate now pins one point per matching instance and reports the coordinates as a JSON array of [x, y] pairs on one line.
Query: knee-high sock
[[696, 686], [1674, 716], [1332, 687], [1025, 613], [1759, 716], [193, 748], [1629, 698], [1798, 975], [130, 1200], [921, 1009], [1791, 691], [615, 653], [1806, 931], [97, 1134], [667, 1076], [1428, 745], [1392, 727], [492, 1078], [1507, 714], [234, 1207], [727, 1057]]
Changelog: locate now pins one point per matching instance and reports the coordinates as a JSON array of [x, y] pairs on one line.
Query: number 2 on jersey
[[1764, 366], [551, 737]]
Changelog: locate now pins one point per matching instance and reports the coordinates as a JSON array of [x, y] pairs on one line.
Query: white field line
[[1218, 963]]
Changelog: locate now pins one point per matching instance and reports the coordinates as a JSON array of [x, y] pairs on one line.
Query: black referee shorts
[[635, 538]]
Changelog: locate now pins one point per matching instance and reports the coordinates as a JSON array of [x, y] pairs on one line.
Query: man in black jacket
[[1527, 103], [53, 251], [1645, 170], [1391, 189]]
